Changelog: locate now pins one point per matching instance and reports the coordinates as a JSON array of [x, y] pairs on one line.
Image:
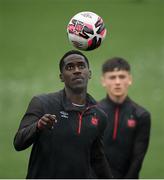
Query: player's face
[[75, 72], [117, 83]]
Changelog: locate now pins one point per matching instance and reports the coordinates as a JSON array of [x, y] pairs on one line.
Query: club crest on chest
[[94, 121], [131, 123]]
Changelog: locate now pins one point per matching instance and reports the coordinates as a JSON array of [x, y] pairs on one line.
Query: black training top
[[126, 137], [71, 147]]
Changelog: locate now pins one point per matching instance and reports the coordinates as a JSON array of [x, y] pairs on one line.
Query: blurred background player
[[65, 128], [127, 135]]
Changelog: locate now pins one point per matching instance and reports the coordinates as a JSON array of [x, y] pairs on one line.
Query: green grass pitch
[[33, 39]]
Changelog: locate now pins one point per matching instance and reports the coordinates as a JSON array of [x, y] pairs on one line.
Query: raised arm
[[28, 131]]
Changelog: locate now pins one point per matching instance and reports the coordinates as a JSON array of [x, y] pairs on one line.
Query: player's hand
[[46, 121]]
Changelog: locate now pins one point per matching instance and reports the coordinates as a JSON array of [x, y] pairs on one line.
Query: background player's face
[[75, 72], [117, 82]]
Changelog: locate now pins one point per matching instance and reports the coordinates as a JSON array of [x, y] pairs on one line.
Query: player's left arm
[[141, 143]]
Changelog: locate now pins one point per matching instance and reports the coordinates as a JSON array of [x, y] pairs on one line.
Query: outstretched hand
[[47, 121]]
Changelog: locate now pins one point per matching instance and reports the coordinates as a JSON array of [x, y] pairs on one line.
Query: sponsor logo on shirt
[[131, 123], [64, 114]]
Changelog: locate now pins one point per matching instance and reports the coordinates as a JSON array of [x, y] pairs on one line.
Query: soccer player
[[65, 128], [126, 137]]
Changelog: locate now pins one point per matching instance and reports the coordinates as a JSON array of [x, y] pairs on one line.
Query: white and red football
[[86, 31]]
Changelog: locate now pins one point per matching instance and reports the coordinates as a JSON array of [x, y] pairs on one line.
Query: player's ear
[[61, 77], [103, 81], [130, 80]]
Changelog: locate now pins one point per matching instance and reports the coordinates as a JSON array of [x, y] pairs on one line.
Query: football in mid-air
[[86, 31]]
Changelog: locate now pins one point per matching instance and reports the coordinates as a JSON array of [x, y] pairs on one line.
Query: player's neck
[[118, 99], [76, 98]]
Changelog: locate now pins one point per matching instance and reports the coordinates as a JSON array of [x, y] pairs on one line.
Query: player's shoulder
[[49, 97], [103, 104], [139, 109]]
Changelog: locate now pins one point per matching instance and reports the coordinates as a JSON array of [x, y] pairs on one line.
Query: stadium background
[[33, 39]]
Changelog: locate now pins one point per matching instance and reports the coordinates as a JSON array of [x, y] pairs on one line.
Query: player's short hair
[[115, 63], [61, 63]]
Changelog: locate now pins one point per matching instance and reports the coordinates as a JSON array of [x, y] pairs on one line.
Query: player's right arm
[[32, 122]]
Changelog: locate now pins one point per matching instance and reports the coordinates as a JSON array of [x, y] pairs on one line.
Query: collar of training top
[[109, 100], [68, 106]]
